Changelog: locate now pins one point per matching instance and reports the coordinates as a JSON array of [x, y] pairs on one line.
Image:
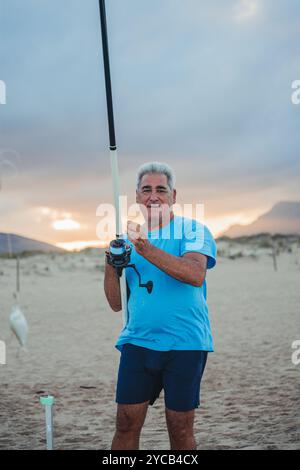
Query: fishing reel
[[118, 256]]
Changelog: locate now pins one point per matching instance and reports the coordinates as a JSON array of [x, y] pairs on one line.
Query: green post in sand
[[47, 402]]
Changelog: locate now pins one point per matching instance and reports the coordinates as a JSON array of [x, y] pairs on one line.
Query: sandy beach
[[250, 391]]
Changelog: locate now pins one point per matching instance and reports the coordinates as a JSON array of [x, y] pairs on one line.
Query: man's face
[[155, 197]]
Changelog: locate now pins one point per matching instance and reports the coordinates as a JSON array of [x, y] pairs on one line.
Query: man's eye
[[146, 190]]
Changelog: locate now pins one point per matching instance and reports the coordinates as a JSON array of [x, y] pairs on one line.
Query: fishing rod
[[119, 243], [118, 255]]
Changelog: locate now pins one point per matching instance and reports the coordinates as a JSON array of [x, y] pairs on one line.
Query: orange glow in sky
[[66, 224], [217, 226]]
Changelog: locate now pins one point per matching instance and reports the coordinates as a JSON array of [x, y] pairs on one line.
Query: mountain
[[11, 243], [283, 218]]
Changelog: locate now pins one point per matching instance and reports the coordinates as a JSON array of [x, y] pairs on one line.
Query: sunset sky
[[204, 86]]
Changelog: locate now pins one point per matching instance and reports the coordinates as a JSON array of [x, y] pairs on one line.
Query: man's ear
[[136, 196], [174, 195]]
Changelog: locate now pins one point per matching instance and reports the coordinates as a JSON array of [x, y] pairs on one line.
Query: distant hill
[[17, 244], [283, 218]]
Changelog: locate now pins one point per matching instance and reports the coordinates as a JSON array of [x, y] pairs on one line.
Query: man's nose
[[153, 196]]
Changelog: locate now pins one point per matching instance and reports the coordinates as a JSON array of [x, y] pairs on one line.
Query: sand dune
[[250, 392]]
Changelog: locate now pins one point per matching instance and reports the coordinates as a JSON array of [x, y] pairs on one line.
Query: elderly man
[[165, 342]]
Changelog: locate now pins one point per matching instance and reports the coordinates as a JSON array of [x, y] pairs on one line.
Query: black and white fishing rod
[[119, 244]]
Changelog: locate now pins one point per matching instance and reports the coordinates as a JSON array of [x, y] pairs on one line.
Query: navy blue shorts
[[143, 373]]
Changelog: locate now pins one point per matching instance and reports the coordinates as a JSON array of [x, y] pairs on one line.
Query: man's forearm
[[112, 287], [182, 269]]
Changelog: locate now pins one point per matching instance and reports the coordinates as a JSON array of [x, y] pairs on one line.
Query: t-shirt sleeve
[[197, 238]]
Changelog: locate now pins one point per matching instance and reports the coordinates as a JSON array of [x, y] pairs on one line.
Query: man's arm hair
[[112, 288], [189, 268]]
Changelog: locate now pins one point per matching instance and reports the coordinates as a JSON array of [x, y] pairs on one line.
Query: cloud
[[245, 9]]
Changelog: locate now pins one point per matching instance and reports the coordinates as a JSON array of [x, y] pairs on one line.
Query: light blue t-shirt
[[175, 315]]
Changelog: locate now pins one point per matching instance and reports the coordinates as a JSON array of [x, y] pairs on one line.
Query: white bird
[[19, 325]]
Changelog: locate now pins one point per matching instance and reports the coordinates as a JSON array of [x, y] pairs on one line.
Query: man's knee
[[130, 418], [180, 424], [126, 423]]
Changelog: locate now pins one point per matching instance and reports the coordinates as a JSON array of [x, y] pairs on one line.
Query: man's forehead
[[154, 179]]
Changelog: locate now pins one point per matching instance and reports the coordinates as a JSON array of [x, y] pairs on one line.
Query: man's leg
[[181, 429], [129, 423]]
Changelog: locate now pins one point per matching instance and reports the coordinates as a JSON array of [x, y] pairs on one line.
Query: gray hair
[[156, 167]]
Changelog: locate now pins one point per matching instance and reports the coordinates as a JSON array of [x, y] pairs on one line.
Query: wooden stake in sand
[[18, 276], [274, 252]]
